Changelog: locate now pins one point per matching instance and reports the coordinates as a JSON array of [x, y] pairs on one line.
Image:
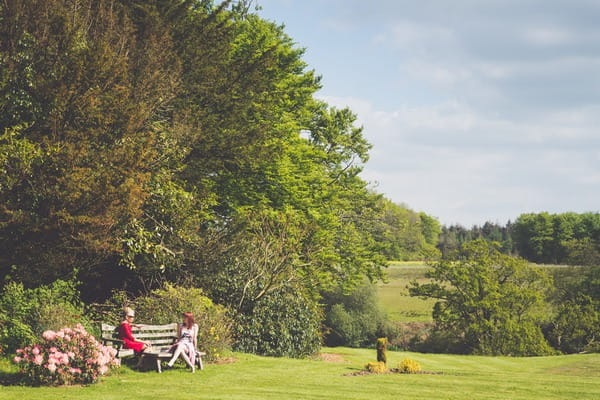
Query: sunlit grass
[[253, 377], [393, 295]]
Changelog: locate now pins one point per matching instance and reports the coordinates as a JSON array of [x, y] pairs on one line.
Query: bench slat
[[168, 327], [140, 334]]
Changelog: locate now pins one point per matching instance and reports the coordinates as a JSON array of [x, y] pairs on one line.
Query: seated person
[[130, 342], [186, 344]]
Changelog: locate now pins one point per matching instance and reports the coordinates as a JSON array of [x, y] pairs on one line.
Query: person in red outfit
[[130, 342]]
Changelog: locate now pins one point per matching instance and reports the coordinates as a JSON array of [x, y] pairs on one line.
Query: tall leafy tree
[[88, 93], [487, 301]]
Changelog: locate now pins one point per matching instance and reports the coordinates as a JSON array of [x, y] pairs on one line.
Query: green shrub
[[284, 324], [26, 313], [111, 311], [409, 366], [515, 338], [376, 367], [575, 327], [353, 319], [166, 305]]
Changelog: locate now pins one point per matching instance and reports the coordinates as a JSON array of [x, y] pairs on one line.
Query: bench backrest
[[157, 335]]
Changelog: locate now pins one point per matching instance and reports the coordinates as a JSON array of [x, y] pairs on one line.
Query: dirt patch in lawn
[[391, 371], [332, 357], [225, 360]]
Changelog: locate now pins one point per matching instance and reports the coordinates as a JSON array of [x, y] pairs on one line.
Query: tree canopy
[[181, 141], [487, 301]]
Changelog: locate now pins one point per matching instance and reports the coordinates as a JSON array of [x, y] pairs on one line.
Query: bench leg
[[158, 368], [199, 361]]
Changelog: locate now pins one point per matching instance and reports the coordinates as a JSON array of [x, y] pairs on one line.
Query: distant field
[[251, 377], [401, 307], [394, 297]]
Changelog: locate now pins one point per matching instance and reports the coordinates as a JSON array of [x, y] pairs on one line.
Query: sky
[[477, 110]]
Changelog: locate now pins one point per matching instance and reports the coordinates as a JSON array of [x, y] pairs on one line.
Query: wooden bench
[[161, 338]]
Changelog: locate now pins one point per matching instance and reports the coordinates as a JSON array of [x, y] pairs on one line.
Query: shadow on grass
[[10, 378]]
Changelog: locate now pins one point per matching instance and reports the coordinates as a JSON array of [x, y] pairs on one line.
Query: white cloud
[[550, 36], [477, 110], [464, 167]]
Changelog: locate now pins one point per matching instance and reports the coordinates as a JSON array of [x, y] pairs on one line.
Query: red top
[[128, 339]]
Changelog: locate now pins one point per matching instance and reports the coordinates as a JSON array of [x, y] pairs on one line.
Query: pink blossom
[[35, 351], [53, 349], [38, 359], [71, 354], [51, 368], [60, 334], [17, 359], [49, 335], [19, 351]]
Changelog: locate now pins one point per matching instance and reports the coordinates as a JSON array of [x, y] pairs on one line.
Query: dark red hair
[[189, 319]]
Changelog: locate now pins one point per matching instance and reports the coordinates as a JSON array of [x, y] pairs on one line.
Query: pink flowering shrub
[[65, 357]]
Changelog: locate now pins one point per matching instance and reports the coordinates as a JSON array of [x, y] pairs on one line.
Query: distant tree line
[[565, 238]]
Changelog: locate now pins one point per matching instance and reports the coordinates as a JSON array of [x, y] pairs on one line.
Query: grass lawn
[[253, 377], [394, 297]]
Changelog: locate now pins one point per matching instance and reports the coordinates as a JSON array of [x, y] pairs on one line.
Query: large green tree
[[139, 139], [82, 98], [487, 301]]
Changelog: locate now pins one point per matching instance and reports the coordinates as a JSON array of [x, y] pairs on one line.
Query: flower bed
[[65, 357]]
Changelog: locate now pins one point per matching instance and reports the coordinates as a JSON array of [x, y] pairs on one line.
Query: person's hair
[[189, 319], [127, 311]]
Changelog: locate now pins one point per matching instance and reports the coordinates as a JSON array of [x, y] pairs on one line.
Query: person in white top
[[186, 344]]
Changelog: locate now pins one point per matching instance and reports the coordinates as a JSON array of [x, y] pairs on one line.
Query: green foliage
[[558, 238], [405, 234], [452, 237], [488, 300], [574, 326], [137, 135], [283, 323], [566, 238], [168, 141], [164, 306], [262, 253], [26, 313], [90, 95], [353, 319], [18, 157]]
